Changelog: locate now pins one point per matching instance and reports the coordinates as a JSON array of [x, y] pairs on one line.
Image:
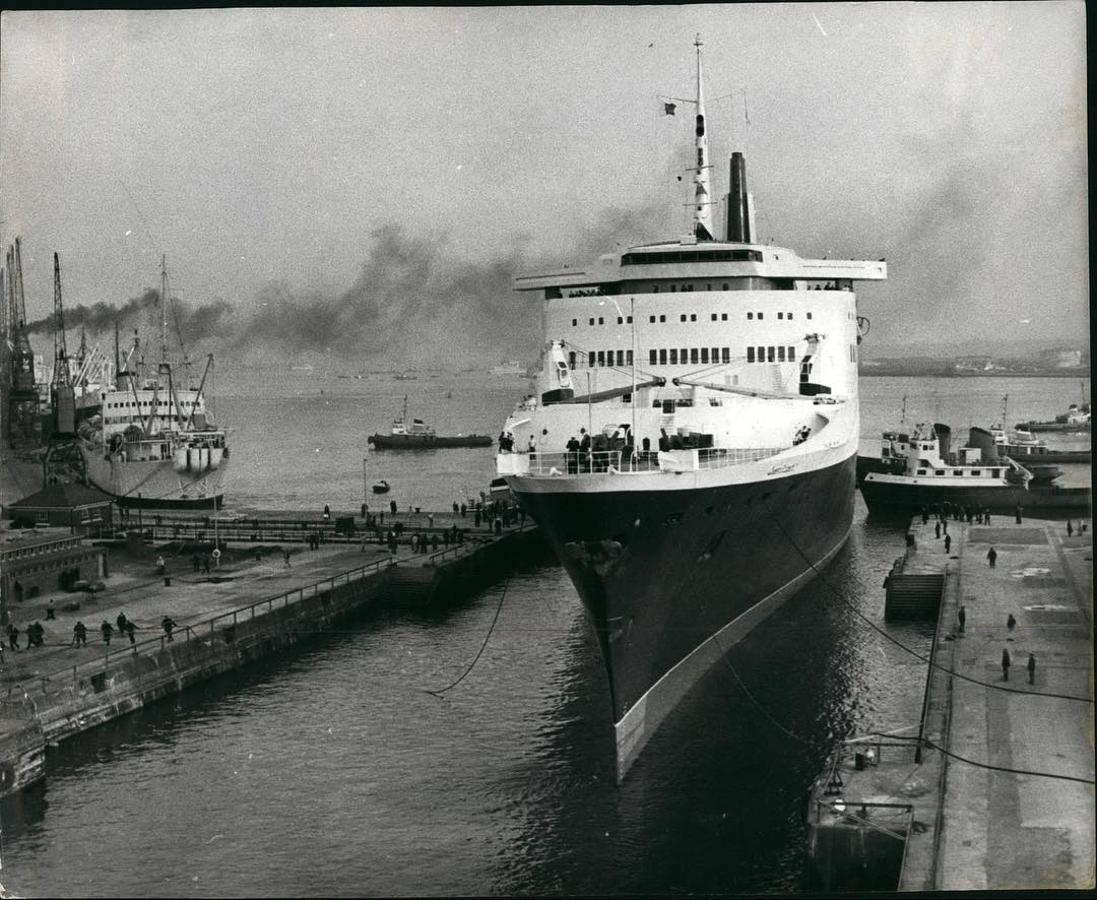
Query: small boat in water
[[919, 470], [417, 435], [1025, 447], [381, 487], [1077, 420]]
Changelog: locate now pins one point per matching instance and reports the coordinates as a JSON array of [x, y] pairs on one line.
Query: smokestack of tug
[[739, 211]]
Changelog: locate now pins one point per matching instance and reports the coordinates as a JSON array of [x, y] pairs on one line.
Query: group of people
[[946, 510], [506, 442], [36, 634]]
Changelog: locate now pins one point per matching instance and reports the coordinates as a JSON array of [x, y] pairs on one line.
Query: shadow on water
[[717, 801]]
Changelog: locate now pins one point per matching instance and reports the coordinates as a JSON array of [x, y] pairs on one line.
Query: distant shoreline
[[897, 373]]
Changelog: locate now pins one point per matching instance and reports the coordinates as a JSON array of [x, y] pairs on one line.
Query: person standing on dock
[[121, 622], [1006, 661], [13, 636], [992, 556], [1070, 529], [937, 529], [130, 629], [160, 566], [962, 617], [168, 624], [1018, 515], [107, 630], [80, 635], [948, 543], [1032, 668], [285, 558], [1011, 623]]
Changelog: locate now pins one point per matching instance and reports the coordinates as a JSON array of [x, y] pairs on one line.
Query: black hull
[[1049, 457], [662, 572], [152, 503], [426, 442]]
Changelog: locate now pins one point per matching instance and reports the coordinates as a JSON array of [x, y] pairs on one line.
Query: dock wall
[[67, 702]]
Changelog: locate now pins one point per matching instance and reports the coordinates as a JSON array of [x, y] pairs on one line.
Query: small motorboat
[[381, 487]]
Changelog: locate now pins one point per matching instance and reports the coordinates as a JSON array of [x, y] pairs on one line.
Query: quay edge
[[66, 705]]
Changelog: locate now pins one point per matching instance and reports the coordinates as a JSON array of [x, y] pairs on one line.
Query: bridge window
[[662, 318], [792, 354], [651, 319], [750, 354], [652, 357], [725, 287], [770, 354], [788, 316], [674, 356], [957, 473], [750, 315], [601, 357], [601, 321], [704, 354], [663, 357], [976, 471], [809, 315], [590, 321], [761, 316], [780, 354], [921, 471], [682, 317], [620, 357], [939, 472], [726, 355], [693, 317], [693, 355], [780, 315], [620, 321], [714, 317], [684, 354], [723, 317], [574, 323], [628, 358]]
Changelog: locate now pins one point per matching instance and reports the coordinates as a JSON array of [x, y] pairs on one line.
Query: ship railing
[[618, 462]]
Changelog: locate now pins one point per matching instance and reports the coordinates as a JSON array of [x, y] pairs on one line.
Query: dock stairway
[[913, 595]]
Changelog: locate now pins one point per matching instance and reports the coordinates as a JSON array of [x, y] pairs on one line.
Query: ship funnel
[[984, 441], [944, 439], [740, 214]]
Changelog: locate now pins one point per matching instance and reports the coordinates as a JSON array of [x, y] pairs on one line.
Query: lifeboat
[[216, 454], [381, 487], [179, 460]]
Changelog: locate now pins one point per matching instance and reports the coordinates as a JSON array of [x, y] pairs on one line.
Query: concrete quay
[[253, 604], [995, 789]]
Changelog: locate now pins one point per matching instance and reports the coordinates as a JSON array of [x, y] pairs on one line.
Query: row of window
[[673, 256], [959, 473], [145, 404], [674, 356], [682, 317], [771, 354], [47, 547]]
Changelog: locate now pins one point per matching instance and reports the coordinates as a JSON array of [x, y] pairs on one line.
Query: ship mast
[[702, 205], [163, 307]]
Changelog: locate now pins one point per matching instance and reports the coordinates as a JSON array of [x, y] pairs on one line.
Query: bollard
[[167, 581]]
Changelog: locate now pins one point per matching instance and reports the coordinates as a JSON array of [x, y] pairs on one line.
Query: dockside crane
[[23, 426], [64, 459]]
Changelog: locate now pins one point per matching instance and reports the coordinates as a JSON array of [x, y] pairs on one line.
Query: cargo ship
[[919, 470], [154, 443], [415, 434], [690, 450], [1026, 447]]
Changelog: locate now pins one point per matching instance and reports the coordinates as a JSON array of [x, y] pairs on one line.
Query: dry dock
[[995, 789], [255, 602]]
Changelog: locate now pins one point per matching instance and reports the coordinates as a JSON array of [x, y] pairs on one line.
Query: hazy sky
[[276, 153]]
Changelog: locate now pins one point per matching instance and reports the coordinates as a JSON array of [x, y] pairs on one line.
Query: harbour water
[[333, 772]]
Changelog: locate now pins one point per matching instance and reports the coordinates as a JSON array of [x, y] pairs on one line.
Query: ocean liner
[[691, 448]]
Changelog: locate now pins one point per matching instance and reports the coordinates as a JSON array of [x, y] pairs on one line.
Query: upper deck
[[616, 273]]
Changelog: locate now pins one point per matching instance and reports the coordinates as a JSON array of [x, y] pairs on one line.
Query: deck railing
[[617, 462]]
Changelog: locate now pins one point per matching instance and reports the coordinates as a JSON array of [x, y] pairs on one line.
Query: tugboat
[[417, 435], [1025, 447], [690, 451], [918, 470]]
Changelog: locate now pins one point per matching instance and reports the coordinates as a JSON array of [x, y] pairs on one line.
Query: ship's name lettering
[[781, 469]]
